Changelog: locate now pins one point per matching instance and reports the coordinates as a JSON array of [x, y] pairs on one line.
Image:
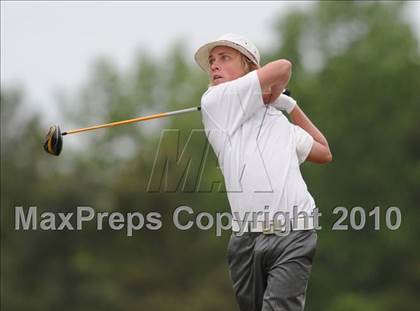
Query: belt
[[272, 228]]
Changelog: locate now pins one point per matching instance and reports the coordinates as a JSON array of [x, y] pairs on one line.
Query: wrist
[[285, 103]]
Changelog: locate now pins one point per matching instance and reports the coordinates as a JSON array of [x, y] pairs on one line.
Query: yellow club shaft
[[139, 119]]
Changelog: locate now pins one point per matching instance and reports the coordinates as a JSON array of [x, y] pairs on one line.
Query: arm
[[230, 104], [320, 152], [274, 78]]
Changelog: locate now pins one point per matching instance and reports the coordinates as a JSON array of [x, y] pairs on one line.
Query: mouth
[[217, 77]]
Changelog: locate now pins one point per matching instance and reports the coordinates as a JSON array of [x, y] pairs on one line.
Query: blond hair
[[247, 64]]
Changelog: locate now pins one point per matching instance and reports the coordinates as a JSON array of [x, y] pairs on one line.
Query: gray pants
[[271, 272]]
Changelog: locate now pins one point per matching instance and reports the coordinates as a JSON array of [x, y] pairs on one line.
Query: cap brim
[[202, 55]]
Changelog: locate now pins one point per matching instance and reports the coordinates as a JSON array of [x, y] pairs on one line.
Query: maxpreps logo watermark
[[184, 218], [182, 170]]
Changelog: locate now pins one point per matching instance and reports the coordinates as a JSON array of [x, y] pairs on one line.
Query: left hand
[[285, 103]]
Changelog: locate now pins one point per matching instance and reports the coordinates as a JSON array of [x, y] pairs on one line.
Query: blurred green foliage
[[356, 74]]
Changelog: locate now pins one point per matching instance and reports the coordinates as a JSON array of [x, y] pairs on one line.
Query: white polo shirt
[[258, 149]]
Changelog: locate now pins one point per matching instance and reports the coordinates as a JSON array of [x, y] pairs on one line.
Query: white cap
[[237, 42]]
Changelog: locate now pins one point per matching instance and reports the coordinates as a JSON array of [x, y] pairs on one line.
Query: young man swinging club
[[259, 152]]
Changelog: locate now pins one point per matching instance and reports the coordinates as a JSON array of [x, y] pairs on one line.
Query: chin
[[219, 81]]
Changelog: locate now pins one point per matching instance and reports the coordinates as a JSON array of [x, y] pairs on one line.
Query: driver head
[[53, 141]]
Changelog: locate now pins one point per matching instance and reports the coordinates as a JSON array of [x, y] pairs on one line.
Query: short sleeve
[[304, 143], [232, 103]]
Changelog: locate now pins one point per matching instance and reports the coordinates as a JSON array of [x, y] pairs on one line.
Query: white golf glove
[[284, 102]]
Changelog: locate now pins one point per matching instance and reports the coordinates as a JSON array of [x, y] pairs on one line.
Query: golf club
[[53, 143]]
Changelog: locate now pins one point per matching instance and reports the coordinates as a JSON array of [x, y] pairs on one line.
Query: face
[[225, 65]]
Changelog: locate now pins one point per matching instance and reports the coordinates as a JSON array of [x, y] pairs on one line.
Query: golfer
[[259, 151]]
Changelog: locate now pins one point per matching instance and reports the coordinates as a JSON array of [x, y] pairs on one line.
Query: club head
[[53, 141]]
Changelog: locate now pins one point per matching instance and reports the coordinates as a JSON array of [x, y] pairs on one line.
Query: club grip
[[287, 92]]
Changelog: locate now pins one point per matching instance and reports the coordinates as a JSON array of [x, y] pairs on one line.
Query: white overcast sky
[[47, 46]]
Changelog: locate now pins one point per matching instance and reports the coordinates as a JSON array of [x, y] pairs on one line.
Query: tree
[[355, 72]]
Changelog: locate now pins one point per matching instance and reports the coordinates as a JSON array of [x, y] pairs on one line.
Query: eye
[[225, 57]]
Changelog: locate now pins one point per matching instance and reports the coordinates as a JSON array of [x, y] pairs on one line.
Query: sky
[[50, 46]]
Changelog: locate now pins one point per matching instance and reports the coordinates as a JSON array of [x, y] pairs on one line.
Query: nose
[[214, 66]]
